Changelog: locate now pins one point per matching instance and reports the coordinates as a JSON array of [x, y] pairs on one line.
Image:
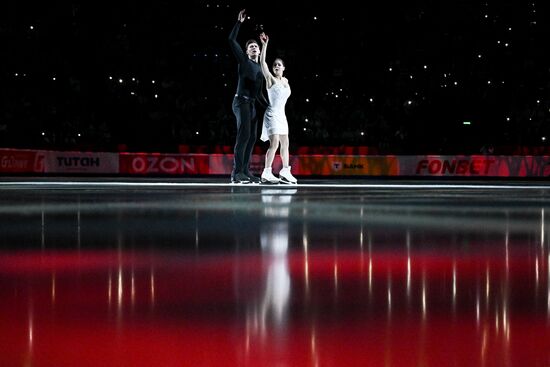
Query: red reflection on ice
[[317, 308]]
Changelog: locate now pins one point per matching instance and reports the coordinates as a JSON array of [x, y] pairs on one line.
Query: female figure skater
[[275, 124]]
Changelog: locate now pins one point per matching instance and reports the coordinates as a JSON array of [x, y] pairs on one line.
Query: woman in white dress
[[275, 125]]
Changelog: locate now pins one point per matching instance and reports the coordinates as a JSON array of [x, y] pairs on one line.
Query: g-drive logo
[[337, 166]]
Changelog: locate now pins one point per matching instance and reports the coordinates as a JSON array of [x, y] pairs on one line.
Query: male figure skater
[[248, 91]]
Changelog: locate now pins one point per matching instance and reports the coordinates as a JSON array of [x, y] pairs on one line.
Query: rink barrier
[[20, 161]]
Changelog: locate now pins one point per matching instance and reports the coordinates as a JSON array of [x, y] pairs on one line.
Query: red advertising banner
[[166, 164], [322, 165], [29, 161], [222, 164], [345, 165], [81, 162], [475, 165], [21, 161]]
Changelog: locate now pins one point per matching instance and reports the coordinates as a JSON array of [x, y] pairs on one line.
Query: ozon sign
[[162, 164]]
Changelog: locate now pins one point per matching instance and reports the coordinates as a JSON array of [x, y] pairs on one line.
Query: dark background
[[399, 77]]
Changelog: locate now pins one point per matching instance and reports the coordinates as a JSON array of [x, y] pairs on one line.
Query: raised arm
[[265, 69], [235, 47]]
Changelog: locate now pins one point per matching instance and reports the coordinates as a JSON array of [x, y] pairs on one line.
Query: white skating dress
[[275, 121]]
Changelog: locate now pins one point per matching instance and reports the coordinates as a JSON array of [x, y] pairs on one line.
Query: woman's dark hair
[[278, 59]]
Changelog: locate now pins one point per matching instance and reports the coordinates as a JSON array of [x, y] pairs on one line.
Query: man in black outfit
[[248, 91]]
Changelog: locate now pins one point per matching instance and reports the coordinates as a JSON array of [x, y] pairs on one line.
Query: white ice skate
[[268, 177], [286, 177]]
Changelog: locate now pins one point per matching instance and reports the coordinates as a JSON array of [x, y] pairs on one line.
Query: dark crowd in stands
[[419, 77]]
